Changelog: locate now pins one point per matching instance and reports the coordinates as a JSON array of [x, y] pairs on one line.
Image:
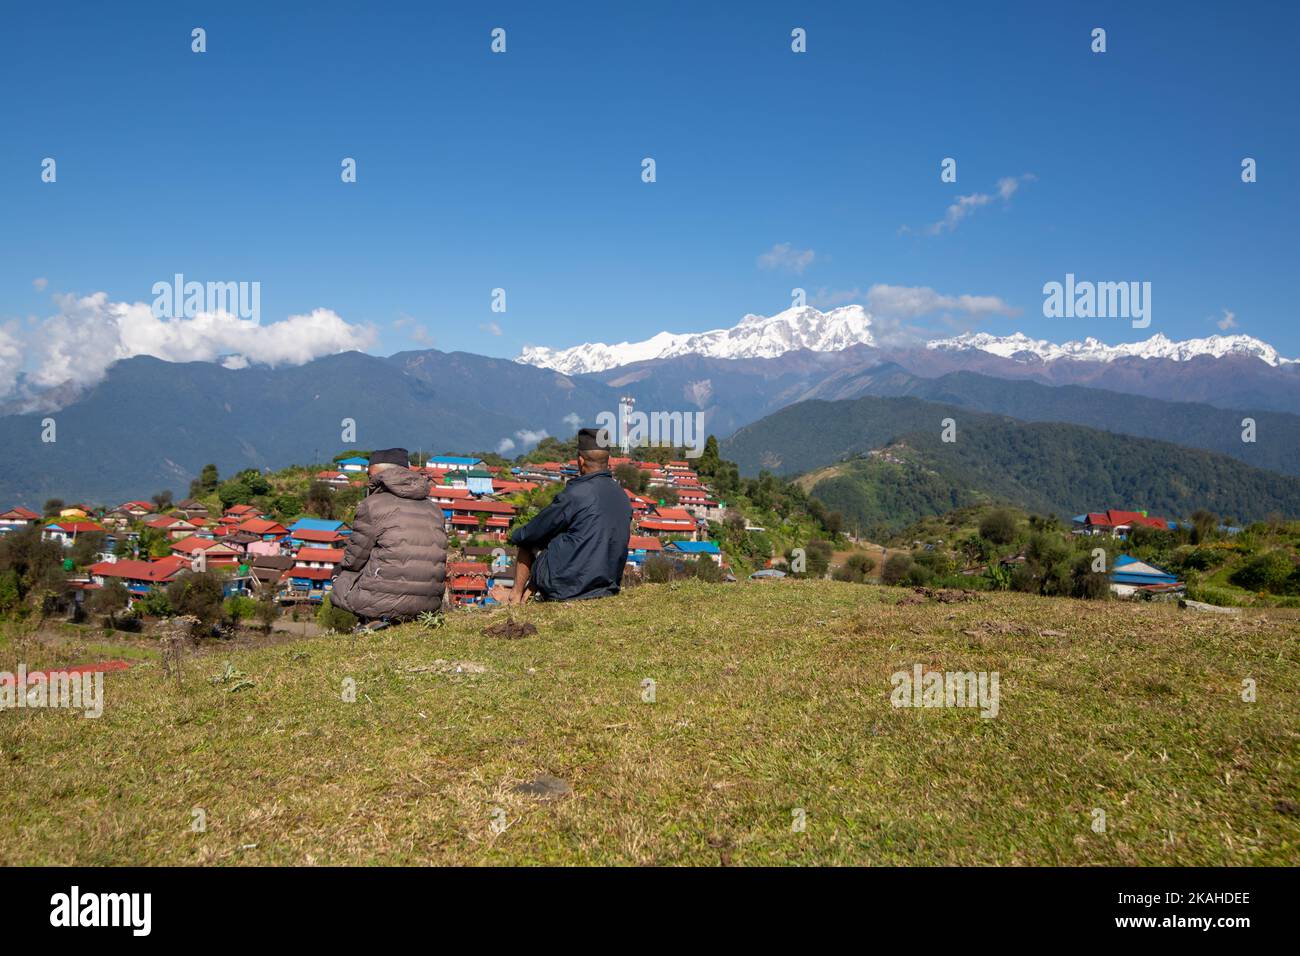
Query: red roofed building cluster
[[1119, 523], [297, 561]]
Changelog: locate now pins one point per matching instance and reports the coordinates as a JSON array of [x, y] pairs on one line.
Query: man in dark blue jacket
[[576, 547]]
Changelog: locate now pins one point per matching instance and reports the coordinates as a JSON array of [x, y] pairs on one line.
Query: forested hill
[[1042, 466]]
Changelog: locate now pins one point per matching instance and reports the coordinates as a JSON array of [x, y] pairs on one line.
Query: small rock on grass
[[546, 786], [511, 629]]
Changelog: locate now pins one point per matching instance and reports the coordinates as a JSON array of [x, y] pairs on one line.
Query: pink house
[[265, 548]]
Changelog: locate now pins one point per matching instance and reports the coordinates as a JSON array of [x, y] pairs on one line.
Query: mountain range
[[151, 424], [756, 336], [805, 327]]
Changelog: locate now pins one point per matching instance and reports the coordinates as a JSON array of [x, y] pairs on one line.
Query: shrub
[[154, 604], [199, 595], [999, 527], [856, 569], [1045, 550], [266, 611], [1087, 583], [896, 568], [817, 556], [129, 622], [110, 600], [1024, 579], [1271, 572], [936, 561], [1211, 595], [918, 576], [998, 577], [658, 569], [240, 608], [705, 569], [1200, 559], [331, 618]]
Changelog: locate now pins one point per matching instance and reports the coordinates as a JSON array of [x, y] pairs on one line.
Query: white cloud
[[529, 437], [785, 256], [40, 284], [909, 302], [967, 205], [88, 334], [1229, 321], [419, 332], [572, 420], [825, 298], [11, 357], [491, 328], [505, 446]]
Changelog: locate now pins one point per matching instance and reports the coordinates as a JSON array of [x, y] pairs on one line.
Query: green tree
[[239, 608], [710, 459], [631, 477], [197, 594], [320, 500], [37, 567], [86, 548], [206, 482], [287, 506], [267, 610], [234, 492], [110, 600], [10, 591], [1205, 524]]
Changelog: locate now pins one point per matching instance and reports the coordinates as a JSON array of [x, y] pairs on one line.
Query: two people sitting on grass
[[576, 547], [395, 564]]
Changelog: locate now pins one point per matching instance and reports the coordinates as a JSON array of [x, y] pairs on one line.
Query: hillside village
[[275, 549], [147, 545]]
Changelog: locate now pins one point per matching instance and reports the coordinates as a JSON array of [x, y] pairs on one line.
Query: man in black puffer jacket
[[576, 547], [395, 564]]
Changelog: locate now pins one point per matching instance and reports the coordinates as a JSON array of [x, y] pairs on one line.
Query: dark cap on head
[[391, 456], [593, 439]]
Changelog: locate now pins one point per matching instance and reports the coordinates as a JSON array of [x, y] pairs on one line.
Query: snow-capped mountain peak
[[768, 336], [755, 336], [1022, 348]]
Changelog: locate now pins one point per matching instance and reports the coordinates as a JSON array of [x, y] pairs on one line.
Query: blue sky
[[522, 170]]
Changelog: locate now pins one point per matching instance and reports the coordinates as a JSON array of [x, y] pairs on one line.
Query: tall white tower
[[624, 413]]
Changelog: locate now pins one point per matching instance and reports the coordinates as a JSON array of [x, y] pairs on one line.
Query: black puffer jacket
[[395, 564], [585, 532]]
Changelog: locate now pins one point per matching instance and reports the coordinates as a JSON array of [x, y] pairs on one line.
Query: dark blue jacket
[[584, 531]]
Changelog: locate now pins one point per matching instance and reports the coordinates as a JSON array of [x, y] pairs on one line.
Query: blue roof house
[[316, 524], [695, 549], [455, 462], [1128, 575]]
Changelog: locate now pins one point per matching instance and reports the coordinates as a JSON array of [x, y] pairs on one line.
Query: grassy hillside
[[1052, 468], [769, 698]]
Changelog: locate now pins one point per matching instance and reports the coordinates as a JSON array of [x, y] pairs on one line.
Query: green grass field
[[769, 699]]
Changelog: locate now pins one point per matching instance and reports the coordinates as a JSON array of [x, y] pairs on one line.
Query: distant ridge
[[1048, 467]]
